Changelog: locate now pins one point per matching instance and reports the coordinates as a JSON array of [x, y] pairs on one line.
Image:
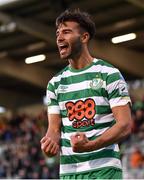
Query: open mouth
[[63, 48]]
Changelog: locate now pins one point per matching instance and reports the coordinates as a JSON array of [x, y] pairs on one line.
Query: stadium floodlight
[[123, 38], [4, 2], [2, 109], [34, 59]]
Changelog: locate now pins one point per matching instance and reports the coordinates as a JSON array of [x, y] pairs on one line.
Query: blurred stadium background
[[27, 29]]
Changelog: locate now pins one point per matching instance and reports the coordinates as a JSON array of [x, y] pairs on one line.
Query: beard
[[73, 51]]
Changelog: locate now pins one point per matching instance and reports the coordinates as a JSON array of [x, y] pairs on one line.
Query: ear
[[85, 37]]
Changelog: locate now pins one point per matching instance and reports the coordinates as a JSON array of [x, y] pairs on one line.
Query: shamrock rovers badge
[[96, 83]]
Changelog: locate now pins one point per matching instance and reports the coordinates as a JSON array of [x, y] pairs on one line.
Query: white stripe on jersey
[[88, 134], [99, 101], [119, 101], [79, 86], [99, 118], [90, 165], [68, 150], [53, 110]]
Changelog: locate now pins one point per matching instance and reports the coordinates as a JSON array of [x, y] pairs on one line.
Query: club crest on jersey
[[96, 83]]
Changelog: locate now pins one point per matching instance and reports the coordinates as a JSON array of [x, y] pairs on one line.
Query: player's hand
[[80, 142], [49, 146]]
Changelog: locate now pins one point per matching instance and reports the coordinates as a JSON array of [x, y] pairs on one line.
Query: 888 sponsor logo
[[81, 110]]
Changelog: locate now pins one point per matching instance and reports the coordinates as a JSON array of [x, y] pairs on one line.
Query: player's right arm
[[51, 141]]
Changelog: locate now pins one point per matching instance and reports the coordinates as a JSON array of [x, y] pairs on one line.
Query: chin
[[64, 56]]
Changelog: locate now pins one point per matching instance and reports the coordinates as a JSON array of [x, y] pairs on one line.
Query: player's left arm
[[120, 130]]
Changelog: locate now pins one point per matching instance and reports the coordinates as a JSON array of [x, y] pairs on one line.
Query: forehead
[[68, 25]]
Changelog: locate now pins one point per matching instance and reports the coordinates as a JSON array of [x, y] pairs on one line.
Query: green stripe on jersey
[[50, 87], [66, 142], [79, 78], [81, 94], [115, 94], [53, 102], [106, 153], [113, 77]]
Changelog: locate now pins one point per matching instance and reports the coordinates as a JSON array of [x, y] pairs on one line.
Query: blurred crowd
[[133, 148], [20, 153], [22, 158]]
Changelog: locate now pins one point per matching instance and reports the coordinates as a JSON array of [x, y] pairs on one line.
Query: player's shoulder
[[103, 63], [105, 66]]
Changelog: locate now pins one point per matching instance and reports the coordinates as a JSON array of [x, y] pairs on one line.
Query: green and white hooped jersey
[[84, 99]]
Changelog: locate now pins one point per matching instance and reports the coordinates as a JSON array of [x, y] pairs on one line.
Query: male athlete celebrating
[[88, 106]]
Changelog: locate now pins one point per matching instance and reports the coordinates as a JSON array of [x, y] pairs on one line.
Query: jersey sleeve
[[117, 89], [52, 103]]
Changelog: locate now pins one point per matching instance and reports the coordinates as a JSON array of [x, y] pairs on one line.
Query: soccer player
[[88, 106]]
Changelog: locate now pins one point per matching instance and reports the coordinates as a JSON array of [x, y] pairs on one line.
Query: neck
[[82, 61]]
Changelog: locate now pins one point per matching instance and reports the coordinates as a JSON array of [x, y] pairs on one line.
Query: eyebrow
[[67, 29]]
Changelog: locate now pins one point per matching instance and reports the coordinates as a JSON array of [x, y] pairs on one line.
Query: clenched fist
[[49, 146], [80, 142]]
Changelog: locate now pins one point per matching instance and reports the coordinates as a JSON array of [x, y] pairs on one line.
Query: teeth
[[61, 45]]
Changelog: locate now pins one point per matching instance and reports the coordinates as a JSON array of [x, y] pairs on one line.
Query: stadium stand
[[20, 153]]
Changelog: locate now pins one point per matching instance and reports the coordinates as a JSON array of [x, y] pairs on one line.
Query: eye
[[67, 31]]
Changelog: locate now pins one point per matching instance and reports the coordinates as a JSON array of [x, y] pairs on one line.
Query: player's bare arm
[[50, 142], [116, 133]]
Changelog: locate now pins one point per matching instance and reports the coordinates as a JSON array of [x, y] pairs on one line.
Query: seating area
[[132, 149], [20, 153]]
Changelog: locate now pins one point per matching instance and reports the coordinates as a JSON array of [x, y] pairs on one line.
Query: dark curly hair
[[82, 18]]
